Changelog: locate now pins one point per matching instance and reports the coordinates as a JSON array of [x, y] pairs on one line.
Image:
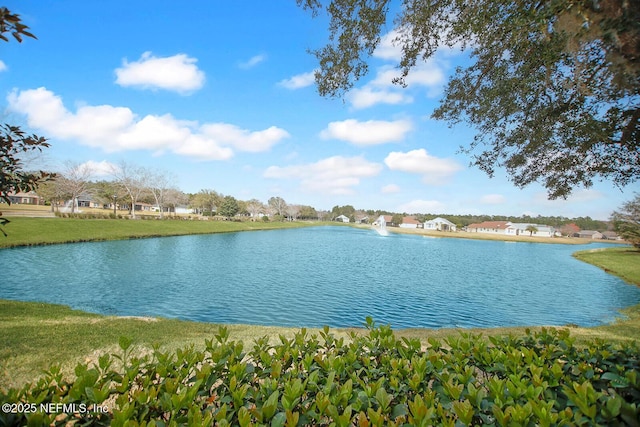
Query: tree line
[[584, 223], [133, 185]]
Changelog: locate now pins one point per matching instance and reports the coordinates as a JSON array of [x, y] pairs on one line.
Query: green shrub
[[369, 380]]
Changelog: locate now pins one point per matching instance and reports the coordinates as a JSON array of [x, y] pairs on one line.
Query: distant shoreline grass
[[24, 231]]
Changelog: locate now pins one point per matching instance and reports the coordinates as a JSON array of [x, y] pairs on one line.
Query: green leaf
[[271, 405], [615, 380], [124, 343], [612, 407], [383, 398], [279, 420], [399, 410]]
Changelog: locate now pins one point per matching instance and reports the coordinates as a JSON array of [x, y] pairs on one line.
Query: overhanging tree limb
[[554, 91]]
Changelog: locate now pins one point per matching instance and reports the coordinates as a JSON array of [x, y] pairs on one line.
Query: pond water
[[319, 276]]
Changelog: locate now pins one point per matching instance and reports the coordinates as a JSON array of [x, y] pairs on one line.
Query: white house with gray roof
[[439, 224], [519, 228]]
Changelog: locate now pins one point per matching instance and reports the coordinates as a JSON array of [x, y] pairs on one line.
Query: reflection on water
[[321, 276]]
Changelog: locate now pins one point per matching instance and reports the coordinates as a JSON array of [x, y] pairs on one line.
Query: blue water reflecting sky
[[318, 276]]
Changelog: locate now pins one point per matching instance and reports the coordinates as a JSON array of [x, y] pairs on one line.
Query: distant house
[[27, 198], [410, 222], [342, 218], [362, 219], [139, 206], [518, 229], [183, 210], [387, 220], [439, 224], [610, 235], [490, 227], [86, 200], [590, 234]]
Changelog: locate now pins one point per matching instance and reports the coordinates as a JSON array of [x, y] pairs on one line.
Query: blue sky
[[219, 95]]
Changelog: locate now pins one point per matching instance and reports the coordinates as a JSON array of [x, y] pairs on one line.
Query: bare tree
[[133, 179], [52, 192], [174, 198], [278, 205], [255, 207], [158, 187], [74, 181], [293, 211]]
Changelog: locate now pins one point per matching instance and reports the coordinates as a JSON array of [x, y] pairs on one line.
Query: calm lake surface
[[319, 276]]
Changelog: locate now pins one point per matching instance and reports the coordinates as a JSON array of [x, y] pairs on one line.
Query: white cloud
[[298, 81], [368, 96], [253, 61], [334, 175], [434, 170], [371, 132], [177, 73], [3, 66], [99, 169], [421, 206], [382, 90], [585, 195], [387, 48], [390, 46], [493, 199], [243, 139], [391, 188], [428, 74], [116, 129]]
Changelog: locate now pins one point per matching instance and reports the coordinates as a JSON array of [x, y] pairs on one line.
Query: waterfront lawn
[[623, 262], [37, 335], [41, 231]]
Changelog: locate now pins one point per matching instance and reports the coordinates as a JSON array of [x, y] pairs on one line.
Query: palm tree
[[531, 229]]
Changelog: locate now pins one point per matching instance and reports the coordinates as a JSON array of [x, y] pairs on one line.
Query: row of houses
[[87, 201], [516, 229], [439, 224], [506, 228], [509, 228]]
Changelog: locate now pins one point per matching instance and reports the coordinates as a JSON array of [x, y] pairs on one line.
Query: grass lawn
[[35, 335], [623, 262], [41, 231]]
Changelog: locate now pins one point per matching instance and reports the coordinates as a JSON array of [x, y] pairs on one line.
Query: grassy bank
[[42, 231], [623, 262], [35, 335]]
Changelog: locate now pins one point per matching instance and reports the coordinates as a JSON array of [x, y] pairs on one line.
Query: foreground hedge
[[377, 379]]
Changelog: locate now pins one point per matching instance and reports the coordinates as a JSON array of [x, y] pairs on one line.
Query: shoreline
[[41, 231], [494, 237]]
